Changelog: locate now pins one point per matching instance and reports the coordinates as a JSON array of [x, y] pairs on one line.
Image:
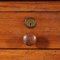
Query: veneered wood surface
[[30, 54], [30, 6], [12, 29]]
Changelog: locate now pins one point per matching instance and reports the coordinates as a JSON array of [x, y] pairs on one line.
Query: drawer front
[[13, 29], [27, 26], [29, 54]]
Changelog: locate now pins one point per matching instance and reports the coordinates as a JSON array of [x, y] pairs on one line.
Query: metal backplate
[[30, 22]]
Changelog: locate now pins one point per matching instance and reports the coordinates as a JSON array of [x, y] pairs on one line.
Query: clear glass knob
[[29, 39]]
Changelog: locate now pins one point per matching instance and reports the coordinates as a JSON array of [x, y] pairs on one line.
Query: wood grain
[[30, 6], [12, 29], [30, 54]]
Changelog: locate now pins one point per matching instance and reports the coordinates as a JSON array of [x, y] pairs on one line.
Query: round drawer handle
[[29, 39]]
